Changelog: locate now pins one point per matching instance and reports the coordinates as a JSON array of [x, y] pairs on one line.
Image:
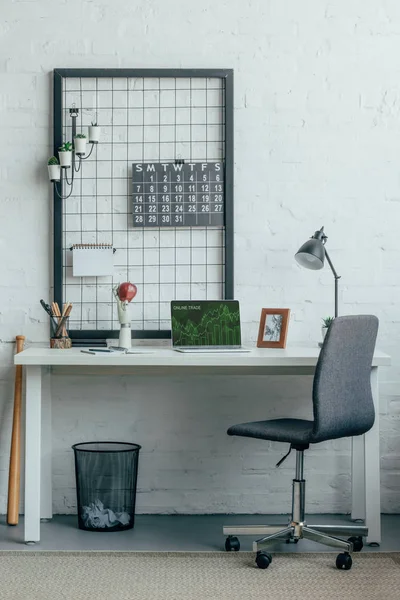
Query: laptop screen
[[205, 323]]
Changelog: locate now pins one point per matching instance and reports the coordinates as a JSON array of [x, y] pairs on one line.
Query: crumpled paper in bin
[[98, 517]]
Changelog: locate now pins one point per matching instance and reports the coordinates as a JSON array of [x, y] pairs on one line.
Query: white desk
[[38, 493]]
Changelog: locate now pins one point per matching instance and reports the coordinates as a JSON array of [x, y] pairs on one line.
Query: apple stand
[[125, 340]]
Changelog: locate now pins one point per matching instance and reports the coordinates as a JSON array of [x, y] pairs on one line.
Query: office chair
[[342, 407]]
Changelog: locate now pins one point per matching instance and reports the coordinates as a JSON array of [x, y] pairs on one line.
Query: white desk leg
[[32, 453], [372, 470], [358, 478], [46, 503]]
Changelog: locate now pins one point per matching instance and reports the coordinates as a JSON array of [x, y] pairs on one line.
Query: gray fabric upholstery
[[342, 398], [293, 431]]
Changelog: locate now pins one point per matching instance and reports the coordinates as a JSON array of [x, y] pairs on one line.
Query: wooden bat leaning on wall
[[15, 453]]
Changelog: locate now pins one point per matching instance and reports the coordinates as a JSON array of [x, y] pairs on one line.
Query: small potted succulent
[[327, 322], [53, 169], [80, 143], [65, 154], [94, 133]]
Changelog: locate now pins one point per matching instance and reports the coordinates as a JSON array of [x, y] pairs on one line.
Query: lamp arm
[[337, 277]]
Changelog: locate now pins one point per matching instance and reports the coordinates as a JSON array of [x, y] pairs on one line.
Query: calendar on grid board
[[178, 195]]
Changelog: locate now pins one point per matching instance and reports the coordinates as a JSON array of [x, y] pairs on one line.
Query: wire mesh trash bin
[[106, 476]]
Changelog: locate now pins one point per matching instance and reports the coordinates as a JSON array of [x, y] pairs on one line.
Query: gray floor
[[176, 533]]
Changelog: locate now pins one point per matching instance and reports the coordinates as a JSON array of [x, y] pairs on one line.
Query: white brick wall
[[317, 116]]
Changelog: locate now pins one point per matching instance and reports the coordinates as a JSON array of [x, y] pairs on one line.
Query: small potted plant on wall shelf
[[65, 155], [327, 322], [80, 143], [53, 169], [94, 133]]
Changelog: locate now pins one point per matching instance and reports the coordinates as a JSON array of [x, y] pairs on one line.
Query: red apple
[[127, 291]]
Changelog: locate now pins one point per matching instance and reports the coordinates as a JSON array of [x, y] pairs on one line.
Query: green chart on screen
[[213, 323]]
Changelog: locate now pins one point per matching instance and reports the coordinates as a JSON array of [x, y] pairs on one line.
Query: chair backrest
[[342, 397]]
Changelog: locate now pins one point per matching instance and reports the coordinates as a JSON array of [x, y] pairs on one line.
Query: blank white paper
[[92, 261]]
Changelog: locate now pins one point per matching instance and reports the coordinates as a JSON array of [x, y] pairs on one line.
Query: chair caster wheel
[[263, 559], [357, 543], [232, 543], [344, 561]]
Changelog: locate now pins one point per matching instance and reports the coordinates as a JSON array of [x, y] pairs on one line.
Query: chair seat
[[292, 431]]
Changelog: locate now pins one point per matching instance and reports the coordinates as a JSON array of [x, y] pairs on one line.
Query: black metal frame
[[58, 75]]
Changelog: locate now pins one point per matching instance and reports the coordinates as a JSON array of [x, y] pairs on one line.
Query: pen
[[47, 308], [99, 350]]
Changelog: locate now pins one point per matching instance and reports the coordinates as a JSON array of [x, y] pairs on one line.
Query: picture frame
[[273, 329]]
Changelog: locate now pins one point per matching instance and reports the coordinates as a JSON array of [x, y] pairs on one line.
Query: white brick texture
[[317, 142]]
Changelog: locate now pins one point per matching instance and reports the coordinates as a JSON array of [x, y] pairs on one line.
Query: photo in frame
[[273, 328]]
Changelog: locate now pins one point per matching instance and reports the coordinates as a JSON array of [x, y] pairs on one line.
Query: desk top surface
[[296, 356]]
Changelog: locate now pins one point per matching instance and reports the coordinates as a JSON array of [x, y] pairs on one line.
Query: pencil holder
[[59, 335]]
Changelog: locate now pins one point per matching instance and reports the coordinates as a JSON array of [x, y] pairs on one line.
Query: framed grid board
[[178, 194], [179, 118]]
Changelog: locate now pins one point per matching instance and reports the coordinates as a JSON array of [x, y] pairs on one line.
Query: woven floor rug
[[195, 576]]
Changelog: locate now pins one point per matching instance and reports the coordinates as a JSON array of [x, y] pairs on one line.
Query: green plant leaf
[[327, 321]]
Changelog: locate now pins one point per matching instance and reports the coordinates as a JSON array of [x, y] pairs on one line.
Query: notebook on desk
[[206, 326]]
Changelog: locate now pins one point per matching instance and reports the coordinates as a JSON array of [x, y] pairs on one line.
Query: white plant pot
[[65, 158], [323, 331], [94, 134], [54, 172], [80, 145]]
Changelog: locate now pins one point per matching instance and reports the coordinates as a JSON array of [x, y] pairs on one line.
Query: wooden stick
[[15, 454], [66, 312], [56, 309]]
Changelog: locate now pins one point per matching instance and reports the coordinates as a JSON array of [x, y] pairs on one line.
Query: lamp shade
[[311, 255]]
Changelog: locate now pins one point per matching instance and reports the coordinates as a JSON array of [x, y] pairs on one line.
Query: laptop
[[206, 326]]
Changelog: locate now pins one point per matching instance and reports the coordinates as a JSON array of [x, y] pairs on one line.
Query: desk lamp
[[312, 254]]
